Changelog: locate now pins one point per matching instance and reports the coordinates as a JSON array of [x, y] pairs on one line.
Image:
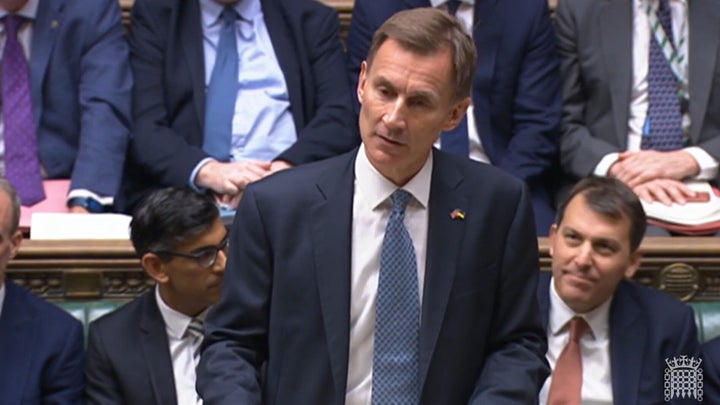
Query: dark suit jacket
[[711, 370], [595, 44], [80, 82], [169, 92], [516, 88], [128, 357], [41, 351], [646, 327], [286, 292]]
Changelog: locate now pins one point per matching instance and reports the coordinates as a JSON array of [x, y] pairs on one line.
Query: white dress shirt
[[464, 13], [371, 212], [639, 91], [594, 349], [181, 351]]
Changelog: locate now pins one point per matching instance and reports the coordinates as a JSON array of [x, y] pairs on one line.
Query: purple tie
[[22, 167]]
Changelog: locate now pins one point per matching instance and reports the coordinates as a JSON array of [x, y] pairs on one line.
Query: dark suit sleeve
[[533, 148], [235, 343], [62, 374], [515, 367], [104, 89], [711, 370], [332, 127], [162, 152], [580, 151], [101, 386]]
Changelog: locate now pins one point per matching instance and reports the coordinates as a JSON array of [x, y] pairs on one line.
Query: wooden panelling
[[688, 268]]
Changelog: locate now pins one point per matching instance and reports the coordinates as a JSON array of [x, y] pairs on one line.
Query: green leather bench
[[707, 314], [88, 311]]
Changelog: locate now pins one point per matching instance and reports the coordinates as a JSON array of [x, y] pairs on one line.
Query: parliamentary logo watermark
[[683, 378]]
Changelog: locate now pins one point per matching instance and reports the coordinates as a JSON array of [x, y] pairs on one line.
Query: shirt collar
[[210, 11], [438, 3], [561, 314], [175, 322], [29, 10], [377, 189]]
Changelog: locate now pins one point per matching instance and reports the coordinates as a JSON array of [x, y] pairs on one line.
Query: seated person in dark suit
[[608, 337], [41, 346], [514, 119], [146, 351], [229, 91], [641, 88], [66, 86]]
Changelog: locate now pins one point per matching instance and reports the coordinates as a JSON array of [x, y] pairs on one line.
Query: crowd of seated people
[[216, 94], [610, 107]]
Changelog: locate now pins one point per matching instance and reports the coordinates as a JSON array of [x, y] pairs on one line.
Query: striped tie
[[196, 331]]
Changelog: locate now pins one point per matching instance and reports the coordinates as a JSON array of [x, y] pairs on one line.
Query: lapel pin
[[54, 24], [457, 214]]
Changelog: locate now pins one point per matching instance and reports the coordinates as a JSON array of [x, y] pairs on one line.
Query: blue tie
[[396, 364], [222, 91], [664, 116], [456, 139]]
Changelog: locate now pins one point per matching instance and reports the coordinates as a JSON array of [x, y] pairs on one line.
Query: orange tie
[[566, 383]]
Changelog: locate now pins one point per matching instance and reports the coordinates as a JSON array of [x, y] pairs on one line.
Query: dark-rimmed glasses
[[205, 257]]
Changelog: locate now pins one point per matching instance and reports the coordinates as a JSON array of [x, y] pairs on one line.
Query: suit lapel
[[543, 297], [331, 236], [190, 34], [443, 247], [483, 13], [47, 21], [18, 333], [154, 343], [616, 36], [703, 47], [284, 45], [416, 3], [626, 349]]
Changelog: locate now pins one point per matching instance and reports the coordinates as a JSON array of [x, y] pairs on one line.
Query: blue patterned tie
[[664, 116], [456, 139], [396, 363], [222, 91], [22, 165]]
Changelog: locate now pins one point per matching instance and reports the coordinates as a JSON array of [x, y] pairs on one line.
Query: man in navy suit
[[290, 101], [309, 259], [145, 352], [80, 82], [631, 330], [41, 346], [514, 119]]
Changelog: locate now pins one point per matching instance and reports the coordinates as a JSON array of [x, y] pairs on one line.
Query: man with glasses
[[146, 352]]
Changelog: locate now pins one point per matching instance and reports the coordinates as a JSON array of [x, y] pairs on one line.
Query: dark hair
[[170, 216], [426, 30], [611, 198], [15, 201]]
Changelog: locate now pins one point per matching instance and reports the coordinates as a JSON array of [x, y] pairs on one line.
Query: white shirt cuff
[[708, 165], [606, 162]]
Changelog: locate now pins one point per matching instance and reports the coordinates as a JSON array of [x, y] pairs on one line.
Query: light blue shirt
[[263, 125]]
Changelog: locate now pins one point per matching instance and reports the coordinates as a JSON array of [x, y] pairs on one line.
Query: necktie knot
[[12, 24], [578, 328], [196, 328], [452, 6], [229, 16], [400, 199]]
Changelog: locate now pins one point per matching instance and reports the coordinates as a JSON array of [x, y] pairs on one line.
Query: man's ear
[[154, 267], [635, 260], [551, 238], [457, 113], [15, 241], [362, 79]]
